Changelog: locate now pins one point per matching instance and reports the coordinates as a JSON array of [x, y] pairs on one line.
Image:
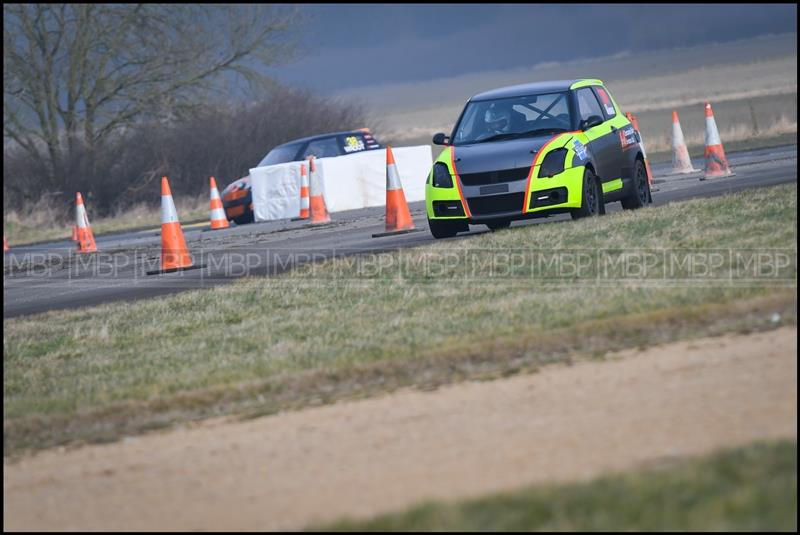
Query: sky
[[351, 45]]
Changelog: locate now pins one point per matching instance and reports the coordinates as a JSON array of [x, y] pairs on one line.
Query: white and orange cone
[[218, 217], [174, 253], [398, 217], [716, 162], [681, 162], [304, 200], [304, 195], [85, 239], [317, 208]]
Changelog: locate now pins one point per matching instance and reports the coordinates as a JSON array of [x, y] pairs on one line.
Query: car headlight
[[441, 176], [553, 163]]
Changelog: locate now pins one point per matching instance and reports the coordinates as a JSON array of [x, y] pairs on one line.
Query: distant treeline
[[223, 141], [106, 98]]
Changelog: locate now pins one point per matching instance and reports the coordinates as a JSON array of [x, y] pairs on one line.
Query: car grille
[[496, 204], [495, 177]]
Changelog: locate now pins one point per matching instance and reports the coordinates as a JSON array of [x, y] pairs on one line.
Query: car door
[[603, 138], [624, 135]]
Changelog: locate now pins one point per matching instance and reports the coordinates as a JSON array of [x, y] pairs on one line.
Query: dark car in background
[[237, 198]]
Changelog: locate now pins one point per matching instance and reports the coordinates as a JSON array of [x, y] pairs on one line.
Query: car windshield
[[515, 117], [280, 154]]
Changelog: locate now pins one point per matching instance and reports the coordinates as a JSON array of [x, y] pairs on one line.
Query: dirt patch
[[365, 457]]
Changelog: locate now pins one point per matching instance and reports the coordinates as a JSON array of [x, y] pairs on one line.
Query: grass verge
[[752, 488], [752, 143], [454, 310], [36, 224]]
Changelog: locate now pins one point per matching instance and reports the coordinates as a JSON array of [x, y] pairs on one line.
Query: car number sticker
[[580, 149], [353, 144]]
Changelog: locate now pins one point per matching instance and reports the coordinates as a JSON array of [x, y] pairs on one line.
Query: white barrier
[[276, 191], [349, 182]]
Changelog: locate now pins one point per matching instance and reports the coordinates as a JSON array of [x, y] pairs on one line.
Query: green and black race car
[[535, 150]]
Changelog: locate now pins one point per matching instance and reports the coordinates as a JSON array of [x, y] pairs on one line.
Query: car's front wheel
[[640, 195], [446, 229], [592, 198]]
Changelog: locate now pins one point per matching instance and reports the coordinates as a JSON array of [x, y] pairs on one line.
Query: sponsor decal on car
[[627, 137], [580, 149]]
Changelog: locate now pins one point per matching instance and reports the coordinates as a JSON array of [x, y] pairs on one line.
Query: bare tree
[[74, 75]]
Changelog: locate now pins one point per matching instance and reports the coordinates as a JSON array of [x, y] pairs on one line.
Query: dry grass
[[37, 224], [736, 132], [753, 488], [330, 331]]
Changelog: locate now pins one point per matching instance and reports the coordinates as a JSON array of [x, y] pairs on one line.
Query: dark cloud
[[349, 45]]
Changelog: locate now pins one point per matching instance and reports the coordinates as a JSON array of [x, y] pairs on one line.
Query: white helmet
[[497, 118]]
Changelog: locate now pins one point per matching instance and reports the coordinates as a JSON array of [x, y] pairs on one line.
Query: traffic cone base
[[716, 163], [319, 212]]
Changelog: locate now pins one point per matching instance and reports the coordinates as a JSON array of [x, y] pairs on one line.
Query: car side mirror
[[590, 122], [441, 139]]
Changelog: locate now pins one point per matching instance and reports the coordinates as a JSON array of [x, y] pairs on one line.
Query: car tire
[[591, 197], [640, 196], [446, 229], [498, 224]]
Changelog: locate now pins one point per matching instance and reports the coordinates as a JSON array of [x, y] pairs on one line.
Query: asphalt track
[[49, 276]]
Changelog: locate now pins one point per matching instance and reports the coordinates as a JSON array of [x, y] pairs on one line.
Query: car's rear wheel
[[592, 198], [446, 229], [640, 195], [498, 224]]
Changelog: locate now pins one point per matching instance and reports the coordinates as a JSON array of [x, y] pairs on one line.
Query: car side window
[[322, 148], [587, 104], [605, 100]]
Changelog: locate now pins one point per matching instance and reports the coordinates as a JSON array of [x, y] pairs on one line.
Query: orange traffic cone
[[716, 162], [218, 218], [318, 210], [174, 254], [85, 239], [681, 162], [5, 245], [74, 232], [635, 122], [304, 201], [398, 217]]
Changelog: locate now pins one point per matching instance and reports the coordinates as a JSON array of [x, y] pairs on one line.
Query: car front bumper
[[521, 199]]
